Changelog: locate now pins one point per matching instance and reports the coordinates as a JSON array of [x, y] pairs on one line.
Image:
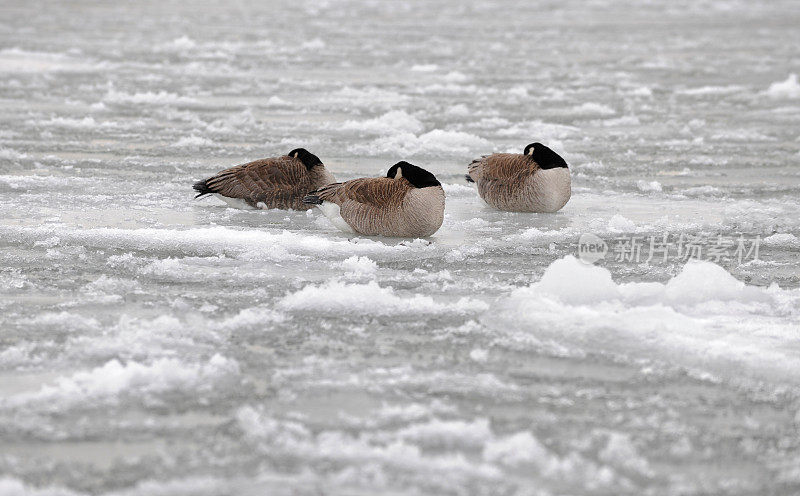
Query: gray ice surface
[[152, 344]]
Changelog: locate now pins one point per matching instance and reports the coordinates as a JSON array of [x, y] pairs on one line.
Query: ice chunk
[[518, 449], [789, 88], [359, 265], [371, 299], [575, 282], [107, 383], [618, 223], [785, 240], [701, 281], [648, 185], [703, 318]]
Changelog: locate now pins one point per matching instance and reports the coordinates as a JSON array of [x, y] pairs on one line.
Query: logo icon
[[591, 248]]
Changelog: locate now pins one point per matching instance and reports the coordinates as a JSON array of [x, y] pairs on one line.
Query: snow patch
[[437, 142], [370, 299], [618, 223], [359, 265], [703, 318], [648, 186], [110, 383], [788, 88], [783, 240], [146, 98], [396, 121]]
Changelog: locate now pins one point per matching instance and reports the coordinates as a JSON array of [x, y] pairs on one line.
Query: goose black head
[[417, 176], [305, 156], [545, 157]]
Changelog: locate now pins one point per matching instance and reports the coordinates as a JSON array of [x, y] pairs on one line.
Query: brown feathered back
[[514, 182], [279, 182], [387, 206]]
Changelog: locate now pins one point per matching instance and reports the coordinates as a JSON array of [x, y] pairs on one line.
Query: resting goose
[[408, 202], [277, 182], [538, 180]]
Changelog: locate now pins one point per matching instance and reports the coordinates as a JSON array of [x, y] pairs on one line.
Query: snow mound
[[789, 88], [701, 281], [359, 265], [260, 318], [108, 383], [784, 240], [575, 282], [517, 450], [370, 299], [703, 318], [459, 190], [617, 223], [647, 186]]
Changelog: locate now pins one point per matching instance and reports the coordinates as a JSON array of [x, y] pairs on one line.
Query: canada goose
[[277, 182], [408, 202], [536, 181]]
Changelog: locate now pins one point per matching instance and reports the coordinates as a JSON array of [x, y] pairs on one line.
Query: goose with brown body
[[408, 202], [538, 180], [278, 182]]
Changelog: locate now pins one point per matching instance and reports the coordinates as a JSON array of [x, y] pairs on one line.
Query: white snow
[[107, 383], [19, 61], [782, 239], [146, 98], [789, 88], [702, 318], [155, 344], [371, 299], [359, 265], [193, 142], [517, 450], [396, 121], [648, 186], [436, 142]]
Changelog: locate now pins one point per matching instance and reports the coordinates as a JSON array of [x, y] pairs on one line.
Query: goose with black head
[[277, 182], [408, 202], [538, 180]]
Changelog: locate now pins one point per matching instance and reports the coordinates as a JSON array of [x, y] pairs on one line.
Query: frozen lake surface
[[152, 344]]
